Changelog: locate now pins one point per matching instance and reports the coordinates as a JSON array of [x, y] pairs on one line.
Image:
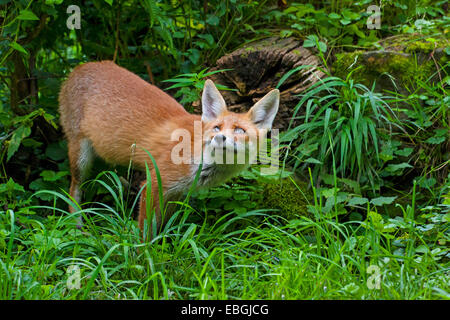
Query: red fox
[[112, 113]]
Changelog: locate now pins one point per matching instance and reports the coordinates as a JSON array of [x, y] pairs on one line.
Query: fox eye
[[216, 129], [239, 130]]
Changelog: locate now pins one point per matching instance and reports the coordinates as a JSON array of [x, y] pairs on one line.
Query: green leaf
[[11, 186], [334, 15], [213, 20], [329, 192], [27, 15], [285, 33], [422, 249], [400, 5], [422, 23], [357, 201], [427, 183], [178, 35], [55, 152], [350, 15], [442, 132], [310, 41], [194, 55], [19, 134], [352, 184], [52, 2], [30, 142], [312, 160], [398, 167], [382, 200], [446, 217], [39, 184], [49, 118], [249, 27], [435, 140], [404, 152], [209, 38], [18, 47], [355, 30], [332, 32], [50, 175], [322, 46], [184, 80], [110, 2], [297, 26]]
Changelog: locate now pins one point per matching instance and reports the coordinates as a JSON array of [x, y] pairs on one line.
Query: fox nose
[[220, 138]]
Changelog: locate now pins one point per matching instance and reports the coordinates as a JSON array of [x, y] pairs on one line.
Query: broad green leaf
[[297, 26], [194, 55], [422, 249], [18, 135], [357, 201], [404, 152], [11, 186], [446, 217], [322, 46], [207, 37], [56, 152], [334, 15], [50, 175], [435, 140], [30, 142], [27, 15], [382, 200], [310, 41], [329, 192], [398, 167], [427, 183], [213, 20]]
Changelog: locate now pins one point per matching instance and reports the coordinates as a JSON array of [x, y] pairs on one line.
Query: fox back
[[107, 111]]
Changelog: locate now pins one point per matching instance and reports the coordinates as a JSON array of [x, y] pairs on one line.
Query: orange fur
[[112, 112]]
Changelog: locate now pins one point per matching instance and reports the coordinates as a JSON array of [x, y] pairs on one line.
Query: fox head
[[236, 133]]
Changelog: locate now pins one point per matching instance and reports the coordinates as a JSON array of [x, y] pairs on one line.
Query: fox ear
[[265, 110], [213, 103]]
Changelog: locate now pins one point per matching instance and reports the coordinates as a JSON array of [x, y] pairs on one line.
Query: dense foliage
[[364, 179]]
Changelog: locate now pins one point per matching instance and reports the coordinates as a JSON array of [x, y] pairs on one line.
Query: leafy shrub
[[190, 85], [340, 130], [426, 120]]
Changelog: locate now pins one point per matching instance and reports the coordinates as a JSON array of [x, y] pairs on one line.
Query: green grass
[[252, 255]]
